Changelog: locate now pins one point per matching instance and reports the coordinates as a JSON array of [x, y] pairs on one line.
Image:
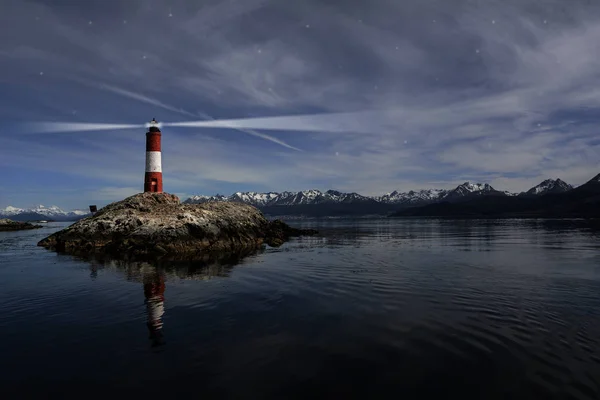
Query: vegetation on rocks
[[158, 224]]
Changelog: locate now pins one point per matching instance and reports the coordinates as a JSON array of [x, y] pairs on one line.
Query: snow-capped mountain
[[462, 192], [315, 197], [303, 197], [253, 198], [339, 197], [595, 179], [549, 186], [42, 212], [330, 202], [10, 210], [469, 190], [203, 199], [412, 197], [579, 202], [285, 198], [318, 197]]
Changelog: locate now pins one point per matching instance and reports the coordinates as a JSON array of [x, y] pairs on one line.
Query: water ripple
[[477, 309]]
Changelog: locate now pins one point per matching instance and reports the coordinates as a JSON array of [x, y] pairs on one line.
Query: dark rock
[[279, 232], [10, 225], [158, 224]]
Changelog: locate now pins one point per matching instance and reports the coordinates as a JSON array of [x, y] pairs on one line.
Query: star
[[477, 51], [493, 22], [259, 50], [337, 153], [434, 21], [307, 25], [42, 73], [406, 141], [89, 23], [170, 15], [144, 57], [124, 21], [545, 21]]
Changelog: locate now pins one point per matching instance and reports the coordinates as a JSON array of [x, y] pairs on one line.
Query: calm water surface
[[377, 308]]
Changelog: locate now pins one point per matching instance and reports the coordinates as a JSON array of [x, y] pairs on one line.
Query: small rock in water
[[10, 225]]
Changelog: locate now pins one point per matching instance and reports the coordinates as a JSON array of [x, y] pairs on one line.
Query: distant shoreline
[[7, 225]]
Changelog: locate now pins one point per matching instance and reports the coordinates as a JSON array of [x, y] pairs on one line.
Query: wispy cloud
[[403, 95], [107, 194], [145, 99], [160, 104], [244, 129]]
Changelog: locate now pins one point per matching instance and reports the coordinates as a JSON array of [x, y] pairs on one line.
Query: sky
[[356, 96]]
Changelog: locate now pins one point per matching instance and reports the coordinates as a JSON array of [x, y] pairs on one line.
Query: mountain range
[[41, 213], [316, 203], [332, 202], [547, 200]]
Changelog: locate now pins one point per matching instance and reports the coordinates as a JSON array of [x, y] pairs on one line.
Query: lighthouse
[[153, 177]]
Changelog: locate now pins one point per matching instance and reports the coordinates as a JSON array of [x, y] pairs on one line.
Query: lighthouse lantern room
[[153, 177]]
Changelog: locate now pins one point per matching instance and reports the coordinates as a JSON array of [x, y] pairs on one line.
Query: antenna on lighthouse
[[153, 177]]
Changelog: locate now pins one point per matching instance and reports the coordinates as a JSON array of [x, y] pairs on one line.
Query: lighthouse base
[[153, 182]]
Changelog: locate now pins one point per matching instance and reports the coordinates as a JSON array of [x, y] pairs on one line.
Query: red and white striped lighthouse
[[153, 178]]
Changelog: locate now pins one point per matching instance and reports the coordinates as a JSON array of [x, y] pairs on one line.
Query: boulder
[[10, 225], [157, 224]]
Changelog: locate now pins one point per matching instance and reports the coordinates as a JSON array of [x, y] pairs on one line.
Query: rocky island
[[158, 224], [10, 225]]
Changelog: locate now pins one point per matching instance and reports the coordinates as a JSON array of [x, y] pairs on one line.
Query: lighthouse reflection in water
[[154, 292], [153, 283], [153, 277]]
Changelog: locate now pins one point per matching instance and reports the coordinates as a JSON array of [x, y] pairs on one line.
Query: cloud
[[397, 96], [145, 99], [249, 131], [157, 103], [108, 194]]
